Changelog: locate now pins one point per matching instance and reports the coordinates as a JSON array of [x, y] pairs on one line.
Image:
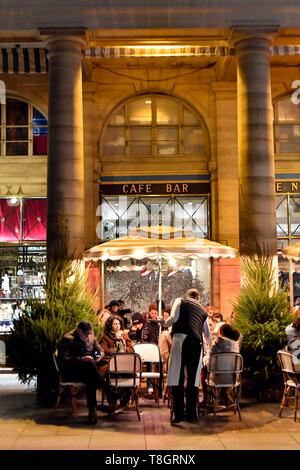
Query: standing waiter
[[188, 318]]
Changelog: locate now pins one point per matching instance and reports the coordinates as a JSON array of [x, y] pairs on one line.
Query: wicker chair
[[291, 382]]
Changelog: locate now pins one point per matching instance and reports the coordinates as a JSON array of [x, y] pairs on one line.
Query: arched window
[[154, 126], [286, 126], [24, 129]]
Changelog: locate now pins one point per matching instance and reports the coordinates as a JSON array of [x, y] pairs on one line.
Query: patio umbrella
[[291, 252], [158, 243]]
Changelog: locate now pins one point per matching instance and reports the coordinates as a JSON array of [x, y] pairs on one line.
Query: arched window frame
[[291, 125], [155, 128], [30, 126]]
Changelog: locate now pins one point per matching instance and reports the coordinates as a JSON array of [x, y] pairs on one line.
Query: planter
[[262, 391], [47, 386]]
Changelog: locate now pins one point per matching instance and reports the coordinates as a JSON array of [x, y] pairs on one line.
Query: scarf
[[119, 341]]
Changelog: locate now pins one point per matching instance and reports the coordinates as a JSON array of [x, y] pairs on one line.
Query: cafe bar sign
[[155, 188], [287, 187]]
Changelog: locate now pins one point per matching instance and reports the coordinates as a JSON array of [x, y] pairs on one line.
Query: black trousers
[[190, 356], [86, 372]]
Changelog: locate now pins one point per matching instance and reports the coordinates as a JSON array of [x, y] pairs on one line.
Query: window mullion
[[30, 130], [3, 149], [154, 127]]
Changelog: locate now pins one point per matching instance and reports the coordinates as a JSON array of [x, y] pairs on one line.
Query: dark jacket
[[72, 347], [191, 319], [136, 336], [151, 332]]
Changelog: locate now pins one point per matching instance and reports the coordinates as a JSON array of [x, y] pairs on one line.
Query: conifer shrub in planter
[[261, 314], [39, 330]]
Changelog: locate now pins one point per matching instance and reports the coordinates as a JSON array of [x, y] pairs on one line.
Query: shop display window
[[22, 277], [23, 219]]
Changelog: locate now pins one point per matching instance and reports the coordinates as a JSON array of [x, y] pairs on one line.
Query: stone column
[[257, 218], [91, 166], [65, 146]]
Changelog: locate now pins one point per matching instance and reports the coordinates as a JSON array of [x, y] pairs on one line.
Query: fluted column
[[65, 146], [257, 218]]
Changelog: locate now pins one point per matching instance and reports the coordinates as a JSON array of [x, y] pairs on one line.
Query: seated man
[[79, 355], [136, 331]]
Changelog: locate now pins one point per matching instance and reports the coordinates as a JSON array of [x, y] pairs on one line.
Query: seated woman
[[293, 342], [115, 340], [228, 340]]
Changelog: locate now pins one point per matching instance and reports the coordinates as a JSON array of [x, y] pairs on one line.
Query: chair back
[[149, 352], [287, 366], [124, 370], [225, 369]]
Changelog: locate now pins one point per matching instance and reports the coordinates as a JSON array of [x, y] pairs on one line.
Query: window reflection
[[120, 214], [154, 125], [287, 126], [24, 129]]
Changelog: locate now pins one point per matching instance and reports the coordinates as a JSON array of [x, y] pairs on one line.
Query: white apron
[[175, 361]]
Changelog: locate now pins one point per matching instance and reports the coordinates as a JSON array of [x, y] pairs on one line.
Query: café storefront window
[[136, 281], [122, 214], [288, 232]]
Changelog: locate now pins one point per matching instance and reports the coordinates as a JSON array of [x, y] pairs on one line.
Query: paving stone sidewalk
[[24, 425]]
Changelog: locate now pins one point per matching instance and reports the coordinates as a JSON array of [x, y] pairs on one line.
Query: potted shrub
[[39, 330], [261, 313]]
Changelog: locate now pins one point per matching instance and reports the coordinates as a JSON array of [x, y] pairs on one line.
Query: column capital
[[252, 37], [64, 38]]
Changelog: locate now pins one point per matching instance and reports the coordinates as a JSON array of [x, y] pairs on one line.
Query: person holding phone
[[79, 356]]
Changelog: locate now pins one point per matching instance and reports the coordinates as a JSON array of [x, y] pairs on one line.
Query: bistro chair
[[291, 383], [124, 371], [150, 353], [224, 371], [74, 387]]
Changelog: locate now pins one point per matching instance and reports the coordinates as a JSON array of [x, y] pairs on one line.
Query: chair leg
[[236, 402], [74, 391], [296, 403], [136, 399], [60, 392], [156, 391], [165, 394], [215, 400], [284, 400]]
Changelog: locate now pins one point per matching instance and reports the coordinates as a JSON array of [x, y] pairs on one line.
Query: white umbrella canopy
[[157, 243], [139, 246], [292, 252]]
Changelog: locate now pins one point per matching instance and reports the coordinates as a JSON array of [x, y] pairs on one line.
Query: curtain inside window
[[34, 219], [10, 229]]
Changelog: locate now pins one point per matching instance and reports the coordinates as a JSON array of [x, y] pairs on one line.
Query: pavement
[[25, 425]]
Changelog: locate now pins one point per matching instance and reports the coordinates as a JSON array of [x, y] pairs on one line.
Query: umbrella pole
[[291, 284], [159, 294], [159, 288]]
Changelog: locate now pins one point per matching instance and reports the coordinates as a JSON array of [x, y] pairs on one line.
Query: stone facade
[[228, 74]]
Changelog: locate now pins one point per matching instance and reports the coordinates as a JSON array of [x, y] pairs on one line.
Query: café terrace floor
[[24, 425]]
